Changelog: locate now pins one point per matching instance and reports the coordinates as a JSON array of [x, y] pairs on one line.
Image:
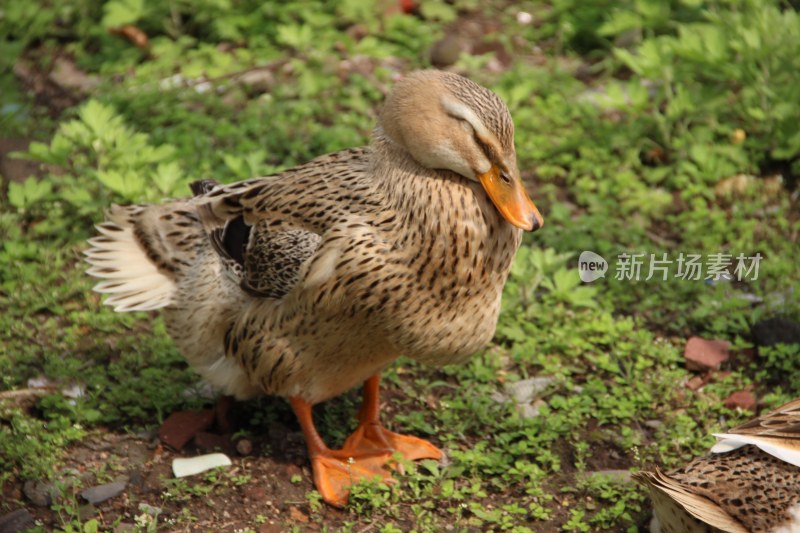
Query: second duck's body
[[750, 482]]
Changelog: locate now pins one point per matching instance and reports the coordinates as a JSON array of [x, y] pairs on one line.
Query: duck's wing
[[777, 433], [269, 227], [314, 196], [782, 422], [266, 261]]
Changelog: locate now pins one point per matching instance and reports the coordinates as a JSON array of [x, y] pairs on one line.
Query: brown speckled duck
[[307, 283], [750, 482]]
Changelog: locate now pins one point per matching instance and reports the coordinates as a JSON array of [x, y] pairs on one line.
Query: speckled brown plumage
[[308, 282], [407, 274], [311, 281], [740, 490]]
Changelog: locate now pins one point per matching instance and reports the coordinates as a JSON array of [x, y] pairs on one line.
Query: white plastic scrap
[[195, 465]]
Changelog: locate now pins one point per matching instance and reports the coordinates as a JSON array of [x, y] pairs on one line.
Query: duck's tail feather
[[669, 495], [140, 252]]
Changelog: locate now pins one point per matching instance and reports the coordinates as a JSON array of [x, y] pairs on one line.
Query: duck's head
[[446, 121]]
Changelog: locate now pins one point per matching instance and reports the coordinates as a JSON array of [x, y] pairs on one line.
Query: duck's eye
[[505, 177]]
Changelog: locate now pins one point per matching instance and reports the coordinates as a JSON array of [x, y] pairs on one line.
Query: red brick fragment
[[179, 428], [704, 354], [293, 470], [742, 399], [696, 382], [297, 515]]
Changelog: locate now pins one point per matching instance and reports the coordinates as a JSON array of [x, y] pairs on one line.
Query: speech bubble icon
[[591, 266]]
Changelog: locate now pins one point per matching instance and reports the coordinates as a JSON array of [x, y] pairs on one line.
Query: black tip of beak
[[536, 222]]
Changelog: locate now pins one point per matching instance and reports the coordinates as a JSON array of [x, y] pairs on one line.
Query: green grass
[[632, 118]]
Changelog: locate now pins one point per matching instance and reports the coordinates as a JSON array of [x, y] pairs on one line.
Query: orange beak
[[511, 199]]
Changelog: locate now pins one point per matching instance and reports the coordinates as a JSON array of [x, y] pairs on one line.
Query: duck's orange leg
[[371, 435], [336, 470]]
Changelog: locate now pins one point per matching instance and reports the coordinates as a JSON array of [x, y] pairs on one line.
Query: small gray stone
[[98, 445], [104, 492], [525, 395], [261, 79], [527, 390], [15, 521], [202, 390], [136, 479], [750, 297], [86, 512], [653, 424], [41, 382], [138, 454], [67, 75], [147, 434], [532, 410], [149, 509], [41, 493], [447, 50], [499, 397]]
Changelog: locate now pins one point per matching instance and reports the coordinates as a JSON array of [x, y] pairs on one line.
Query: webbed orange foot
[[335, 471], [373, 436], [334, 474], [367, 454]]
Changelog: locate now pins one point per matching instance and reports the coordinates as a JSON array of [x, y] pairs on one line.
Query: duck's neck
[[441, 206], [421, 195]]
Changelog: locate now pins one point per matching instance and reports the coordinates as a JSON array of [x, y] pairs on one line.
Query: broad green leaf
[[99, 118], [32, 190], [620, 22], [438, 10], [295, 35], [628, 59], [16, 195], [167, 176], [77, 196], [118, 13], [129, 184], [91, 525]]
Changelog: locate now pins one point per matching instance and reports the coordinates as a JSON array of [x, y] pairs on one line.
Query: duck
[[310, 282], [749, 482]]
